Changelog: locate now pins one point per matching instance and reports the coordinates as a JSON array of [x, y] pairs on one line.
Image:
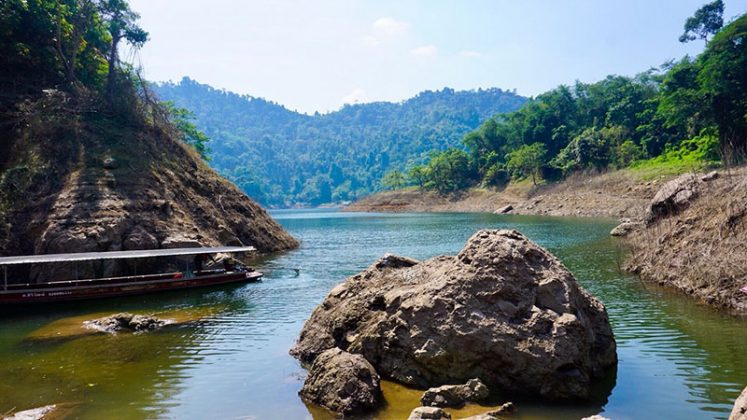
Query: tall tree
[[705, 22], [121, 22]]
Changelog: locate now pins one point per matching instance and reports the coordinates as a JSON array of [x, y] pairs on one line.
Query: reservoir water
[[678, 359]]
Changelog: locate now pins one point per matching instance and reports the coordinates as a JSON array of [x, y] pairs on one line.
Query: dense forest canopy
[[695, 108], [284, 158]]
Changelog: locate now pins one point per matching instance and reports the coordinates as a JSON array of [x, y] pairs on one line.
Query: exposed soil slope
[[615, 194], [77, 181], [700, 249]]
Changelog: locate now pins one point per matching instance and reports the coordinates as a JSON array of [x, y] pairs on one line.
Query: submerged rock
[[739, 412], [126, 322], [429, 413], [48, 412], [455, 395], [503, 310], [344, 383], [505, 410]]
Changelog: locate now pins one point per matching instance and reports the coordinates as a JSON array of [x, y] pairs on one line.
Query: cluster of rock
[[503, 310], [126, 322]]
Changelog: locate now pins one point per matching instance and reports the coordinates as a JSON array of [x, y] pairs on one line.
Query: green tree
[[121, 22], [527, 160], [393, 180], [705, 22], [181, 119], [723, 79], [418, 175]]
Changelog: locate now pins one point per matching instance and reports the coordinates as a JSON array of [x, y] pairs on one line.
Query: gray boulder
[[672, 198], [625, 228], [503, 310], [739, 412], [342, 382], [126, 322], [429, 413], [455, 395], [504, 210]]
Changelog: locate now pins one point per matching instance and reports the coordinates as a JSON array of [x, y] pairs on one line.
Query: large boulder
[[455, 395], [739, 412], [344, 383], [503, 310], [673, 197]]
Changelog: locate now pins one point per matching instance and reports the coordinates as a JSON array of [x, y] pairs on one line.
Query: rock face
[[429, 413], [455, 395], [503, 310], [673, 197], [344, 383], [126, 322], [739, 412], [69, 185]]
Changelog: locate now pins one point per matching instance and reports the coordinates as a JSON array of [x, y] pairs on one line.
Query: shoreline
[[615, 194]]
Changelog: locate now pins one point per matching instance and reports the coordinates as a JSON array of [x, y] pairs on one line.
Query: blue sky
[[317, 55]]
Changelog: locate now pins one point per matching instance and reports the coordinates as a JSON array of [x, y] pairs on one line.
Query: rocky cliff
[[74, 179]]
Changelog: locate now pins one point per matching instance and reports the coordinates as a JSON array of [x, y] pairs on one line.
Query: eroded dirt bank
[[700, 245], [615, 194]]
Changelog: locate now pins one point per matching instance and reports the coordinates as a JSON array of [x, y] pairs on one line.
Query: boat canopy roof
[[116, 255]]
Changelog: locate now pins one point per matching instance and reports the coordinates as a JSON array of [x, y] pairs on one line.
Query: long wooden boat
[[71, 290]]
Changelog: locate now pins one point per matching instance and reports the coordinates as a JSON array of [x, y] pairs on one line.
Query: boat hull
[[118, 287]]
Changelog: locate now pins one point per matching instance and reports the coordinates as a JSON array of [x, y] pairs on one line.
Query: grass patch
[[695, 155]]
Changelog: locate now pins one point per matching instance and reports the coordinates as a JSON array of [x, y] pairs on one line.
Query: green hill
[[283, 158]]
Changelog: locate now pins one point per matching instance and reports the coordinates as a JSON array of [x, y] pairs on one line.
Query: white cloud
[[357, 96], [390, 26], [425, 51], [470, 53]]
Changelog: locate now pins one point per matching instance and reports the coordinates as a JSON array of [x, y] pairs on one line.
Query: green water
[[677, 359]]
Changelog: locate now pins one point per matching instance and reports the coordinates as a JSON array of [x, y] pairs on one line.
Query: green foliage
[[181, 119], [694, 154], [527, 160], [705, 22], [393, 180], [351, 148], [723, 80]]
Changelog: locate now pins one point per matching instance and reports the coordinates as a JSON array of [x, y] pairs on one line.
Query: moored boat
[[193, 276]]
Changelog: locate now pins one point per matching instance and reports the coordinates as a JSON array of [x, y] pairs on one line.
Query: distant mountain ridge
[[283, 158]]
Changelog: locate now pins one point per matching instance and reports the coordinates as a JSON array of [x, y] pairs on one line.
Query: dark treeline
[[695, 108], [284, 158]]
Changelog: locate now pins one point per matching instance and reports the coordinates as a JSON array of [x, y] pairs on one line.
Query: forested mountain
[[687, 113], [284, 158]]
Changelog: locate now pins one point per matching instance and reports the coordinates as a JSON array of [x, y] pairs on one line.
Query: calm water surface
[[677, 359]]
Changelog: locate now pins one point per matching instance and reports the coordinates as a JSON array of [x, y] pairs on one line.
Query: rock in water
[[126, 322], [505, 410], [739, 412], [625, 228], [343, 382], [503, 310], [455, 395], [429, 413]]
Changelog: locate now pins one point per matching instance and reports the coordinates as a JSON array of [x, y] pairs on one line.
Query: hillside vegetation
[[685, 115], [283, 158], [89, 161]]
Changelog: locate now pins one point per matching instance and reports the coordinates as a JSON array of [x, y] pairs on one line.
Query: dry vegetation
[[701, 250]]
